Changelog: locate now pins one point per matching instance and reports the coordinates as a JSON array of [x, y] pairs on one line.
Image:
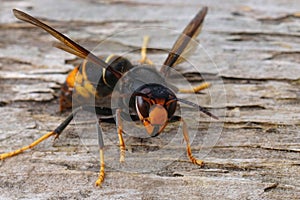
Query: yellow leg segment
[[196, 89], [101, 172], [121, 140], [144, 59], [18, 151], [188, 146], [122, 147]]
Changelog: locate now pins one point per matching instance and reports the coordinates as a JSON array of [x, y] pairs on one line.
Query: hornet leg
[[196, 89], [120, 131], [101, 152], [188, 146], [144, 59], [56, 132]]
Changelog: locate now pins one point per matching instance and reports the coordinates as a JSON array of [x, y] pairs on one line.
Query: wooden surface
[[254, 152]]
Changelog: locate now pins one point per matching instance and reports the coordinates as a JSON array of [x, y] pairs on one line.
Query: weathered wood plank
[[255, 73]]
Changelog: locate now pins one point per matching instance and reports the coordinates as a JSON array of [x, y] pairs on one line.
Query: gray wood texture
[[255, 151]]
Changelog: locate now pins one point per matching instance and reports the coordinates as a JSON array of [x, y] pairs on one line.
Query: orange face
[[156, 121], [154, 114]]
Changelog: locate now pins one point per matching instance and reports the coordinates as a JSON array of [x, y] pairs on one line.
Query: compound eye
[[142, 107], [171, 108]]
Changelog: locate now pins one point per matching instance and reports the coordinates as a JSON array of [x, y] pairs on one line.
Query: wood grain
[[255, 46]]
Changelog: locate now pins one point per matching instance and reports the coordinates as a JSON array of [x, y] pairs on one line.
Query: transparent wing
[[70, 45], [184, 46]]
